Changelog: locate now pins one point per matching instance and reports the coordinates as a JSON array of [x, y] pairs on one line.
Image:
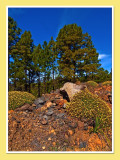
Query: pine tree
[[13, 38], [23, 50], [77, 55], [53, 59], [46, 63], [102, 75], [38, 65]]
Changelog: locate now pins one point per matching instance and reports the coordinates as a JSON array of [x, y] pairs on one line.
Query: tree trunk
[[74, 70], [29, 83], [15, 85], [25, 81], [39, 84], [53, 81], [45, 83]]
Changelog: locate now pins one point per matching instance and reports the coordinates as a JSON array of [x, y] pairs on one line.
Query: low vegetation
[[17, 99], [107, 83], [89, 106], [92, 84]]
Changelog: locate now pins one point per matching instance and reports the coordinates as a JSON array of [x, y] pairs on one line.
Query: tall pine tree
[[23, 50], [53, 58], [38, 60], [13, 38], [76, 52]]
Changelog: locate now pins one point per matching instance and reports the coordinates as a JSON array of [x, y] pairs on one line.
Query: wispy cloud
[[102, 56]]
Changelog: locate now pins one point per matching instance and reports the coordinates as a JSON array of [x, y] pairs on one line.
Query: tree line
[[40, 69]]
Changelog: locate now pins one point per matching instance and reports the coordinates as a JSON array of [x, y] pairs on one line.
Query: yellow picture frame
[[3, 87]]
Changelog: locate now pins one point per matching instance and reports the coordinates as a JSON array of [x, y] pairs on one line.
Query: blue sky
[[46, 22]]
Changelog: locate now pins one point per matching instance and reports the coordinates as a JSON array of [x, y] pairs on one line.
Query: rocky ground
[[46, 126]]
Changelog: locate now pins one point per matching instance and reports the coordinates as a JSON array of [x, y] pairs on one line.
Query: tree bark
[[29, 83], [39, 84], [53, 81], [25, 81]]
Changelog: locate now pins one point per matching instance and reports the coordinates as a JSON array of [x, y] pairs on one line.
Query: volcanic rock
[[71, 89]]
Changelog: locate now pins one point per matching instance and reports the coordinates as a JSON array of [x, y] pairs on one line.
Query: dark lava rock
[[38, 106], [49, 112], [61, 115], [85, 126], [82, 145], [18, 122], [13, 118], [73, 124], [40, 100]]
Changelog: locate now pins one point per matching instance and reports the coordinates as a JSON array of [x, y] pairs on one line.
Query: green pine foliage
[[13, 38], [23, 60], [49, 65], [77, 55]]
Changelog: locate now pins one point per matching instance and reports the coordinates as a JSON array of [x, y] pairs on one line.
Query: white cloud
[[102, 56]]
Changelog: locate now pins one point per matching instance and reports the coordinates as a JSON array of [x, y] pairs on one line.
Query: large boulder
[[71, 89]]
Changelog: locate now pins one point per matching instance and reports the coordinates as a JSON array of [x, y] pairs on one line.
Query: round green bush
[[17, 99], [92, 84], [107, 83], [89, 106]]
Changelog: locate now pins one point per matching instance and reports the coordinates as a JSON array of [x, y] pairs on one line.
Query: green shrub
[[107, 83], [89, 106], [17, 99], [92, 84]]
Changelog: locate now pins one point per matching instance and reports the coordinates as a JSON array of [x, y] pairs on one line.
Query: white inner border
[[7, 79]]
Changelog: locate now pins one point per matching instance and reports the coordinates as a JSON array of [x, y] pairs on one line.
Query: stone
[[44, 120], [80, 125], [85, 126], [40, 100], [71, 89], [18, 121], [46, 96], [14, 124], [45, 117], [43, 147], [24, 107], [70, 132], [48, 104], [73, 124], [54, 143], [61, 115], [49, 112], [33, 105], [49, 139], [82, 145], [64, 105]]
